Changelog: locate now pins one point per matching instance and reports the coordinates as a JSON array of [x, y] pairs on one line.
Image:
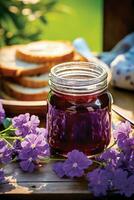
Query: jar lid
[[78, 78]]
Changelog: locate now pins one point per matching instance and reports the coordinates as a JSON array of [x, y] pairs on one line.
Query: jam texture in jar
[[79, 109]]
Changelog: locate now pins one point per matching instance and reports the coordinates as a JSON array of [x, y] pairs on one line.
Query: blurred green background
[[23, 21], [84, 19]]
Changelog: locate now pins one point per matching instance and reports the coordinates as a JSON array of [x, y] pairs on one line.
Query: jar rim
[[78, 77]]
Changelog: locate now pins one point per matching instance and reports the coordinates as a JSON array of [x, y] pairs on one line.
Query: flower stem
[[8, 142], [12, 138], [44, 160], [98, 163], [10, 128]]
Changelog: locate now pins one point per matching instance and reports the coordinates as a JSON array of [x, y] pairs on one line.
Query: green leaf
[[7, 122], [19, 25]]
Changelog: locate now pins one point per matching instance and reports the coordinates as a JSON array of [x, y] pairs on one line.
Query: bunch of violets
[[111, 171], [23, 141]]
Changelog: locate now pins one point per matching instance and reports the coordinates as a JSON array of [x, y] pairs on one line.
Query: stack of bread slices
[[24, 69]]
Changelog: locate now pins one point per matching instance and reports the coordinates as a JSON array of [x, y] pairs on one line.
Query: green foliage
[[7, 122], [18, 19]]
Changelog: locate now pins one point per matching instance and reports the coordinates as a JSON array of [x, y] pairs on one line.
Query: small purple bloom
[[119, 178], [28, 159], [58, 169], [122, 130], [1, 175], [17, 146], [109, 156], [5, 153], [129, 188], [25, 124], [38, 143], [126, 144], [123, 183], [76, 163], [42, 131], [131, 161], [34, 148], [2, 113], [99, 181]]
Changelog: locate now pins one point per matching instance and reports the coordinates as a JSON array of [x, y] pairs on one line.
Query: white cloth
[[122, 69]]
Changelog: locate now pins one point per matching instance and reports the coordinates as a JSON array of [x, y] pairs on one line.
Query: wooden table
[[123, 102], [43, 184]]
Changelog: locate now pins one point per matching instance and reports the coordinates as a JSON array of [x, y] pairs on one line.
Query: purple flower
[[17, 146], [58, 169], [122, 130], [126, 144], [34, 148], [110, 157], [76, 163], [126, 161], [99, 181], [25, 124], [42, 131], [131, 162], [129, 188], [123, 183], [119, 178], [1, 175], [2, 113], [5, 153], [28, 159], [38, 143]]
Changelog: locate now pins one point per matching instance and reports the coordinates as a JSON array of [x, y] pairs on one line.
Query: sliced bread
[[37, 81], [41, 80], [10, 66], [24, 93], [46, 51]]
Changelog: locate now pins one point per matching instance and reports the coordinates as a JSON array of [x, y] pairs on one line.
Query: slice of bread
[[46, 51], [41, 80], [24, 93], [10, 66], [37, 81]]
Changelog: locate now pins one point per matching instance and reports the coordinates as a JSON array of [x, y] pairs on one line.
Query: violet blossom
[[25, 124], [34, 147], [5, 153]]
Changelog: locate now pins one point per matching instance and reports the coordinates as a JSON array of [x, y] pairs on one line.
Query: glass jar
[[79, 108]]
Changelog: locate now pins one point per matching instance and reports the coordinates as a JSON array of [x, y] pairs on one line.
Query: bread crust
[[28, 54], [26, 81], [21, 95], [8, 65]]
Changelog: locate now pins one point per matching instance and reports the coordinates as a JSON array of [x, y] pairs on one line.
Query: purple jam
[[79, 122]]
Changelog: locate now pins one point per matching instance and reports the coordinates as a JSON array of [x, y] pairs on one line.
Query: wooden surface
[[123, 102], [43, 184], [118, 21]]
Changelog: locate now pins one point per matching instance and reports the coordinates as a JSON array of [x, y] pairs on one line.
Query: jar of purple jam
[[79, 108]]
